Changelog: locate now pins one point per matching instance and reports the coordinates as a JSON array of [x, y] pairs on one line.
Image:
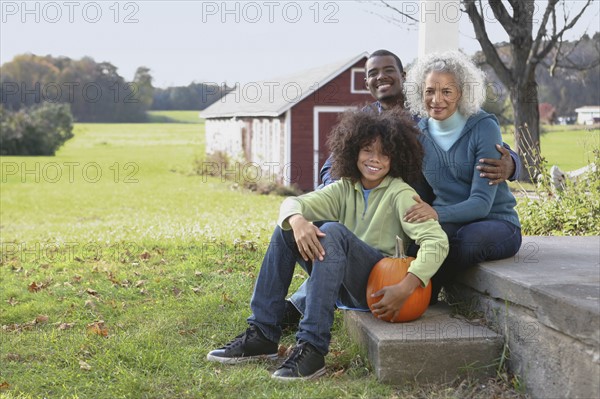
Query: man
[[385, 79]]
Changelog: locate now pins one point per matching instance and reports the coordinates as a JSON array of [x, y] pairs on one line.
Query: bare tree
[[528, 50]]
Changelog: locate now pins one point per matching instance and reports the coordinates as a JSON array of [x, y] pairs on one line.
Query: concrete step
[[435, 347], [546, 303]]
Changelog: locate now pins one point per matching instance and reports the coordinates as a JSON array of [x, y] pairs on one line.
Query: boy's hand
[[420, 212], [497, 170], [307, 238], [394, 296]]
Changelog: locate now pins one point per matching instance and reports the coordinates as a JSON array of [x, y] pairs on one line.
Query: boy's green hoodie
[[378, 224]]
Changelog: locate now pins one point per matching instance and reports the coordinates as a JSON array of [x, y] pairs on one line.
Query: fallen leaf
[[139, 283], [10, 327], [4, 385], [90, 304], [226, 298], [13, 357], [34, 287], [65, 326], [336, 353], [176, 291], [92, 292], [229, 270], [198, 274], [12, 301], [84, 366], [41, 319], [338, 373], [113, 279], [97, 328], [197, 290], [283, 351], [145, 255], [76, 278]]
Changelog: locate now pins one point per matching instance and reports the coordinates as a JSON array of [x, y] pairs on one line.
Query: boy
[[373, 155]]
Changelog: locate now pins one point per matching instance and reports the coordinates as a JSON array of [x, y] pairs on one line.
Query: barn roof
[[273, 97]]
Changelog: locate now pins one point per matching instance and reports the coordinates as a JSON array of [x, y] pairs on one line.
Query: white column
[[438, 25]]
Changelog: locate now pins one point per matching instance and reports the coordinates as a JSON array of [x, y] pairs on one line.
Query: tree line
[[194, 97], [41, 97], [95, 91]]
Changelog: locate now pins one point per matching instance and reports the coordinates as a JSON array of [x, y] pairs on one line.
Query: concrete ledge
[[435, 347], [546, 303]]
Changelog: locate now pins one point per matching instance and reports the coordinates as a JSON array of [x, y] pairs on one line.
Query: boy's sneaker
[[250, 345], [305, 362]]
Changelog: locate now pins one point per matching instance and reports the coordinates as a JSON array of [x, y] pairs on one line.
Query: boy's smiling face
[[373, 164]]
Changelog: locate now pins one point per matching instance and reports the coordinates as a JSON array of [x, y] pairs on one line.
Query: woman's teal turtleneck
[[446, 132]]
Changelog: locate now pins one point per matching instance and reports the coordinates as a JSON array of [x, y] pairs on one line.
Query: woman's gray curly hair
[[470, 80]]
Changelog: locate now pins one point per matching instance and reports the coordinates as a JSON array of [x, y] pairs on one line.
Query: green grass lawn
[[121, 269], [116, 229], [568, 147]]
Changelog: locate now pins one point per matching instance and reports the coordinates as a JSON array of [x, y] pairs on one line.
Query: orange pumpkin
[[390, 271]]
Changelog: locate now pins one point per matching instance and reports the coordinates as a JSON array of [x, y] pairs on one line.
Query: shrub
[[38, 130], [574, 210], [220, 164]]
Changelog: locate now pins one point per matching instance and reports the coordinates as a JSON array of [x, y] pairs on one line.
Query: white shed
[[280, 126], [588, 115]]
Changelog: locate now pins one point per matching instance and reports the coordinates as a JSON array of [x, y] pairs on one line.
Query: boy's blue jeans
[[343, 275]]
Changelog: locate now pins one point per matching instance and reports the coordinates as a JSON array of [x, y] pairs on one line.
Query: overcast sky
[[216, 41]]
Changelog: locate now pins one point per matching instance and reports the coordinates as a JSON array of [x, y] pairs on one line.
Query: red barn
[[277, 129]]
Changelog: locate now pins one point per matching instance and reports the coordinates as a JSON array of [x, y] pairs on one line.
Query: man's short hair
[[383, 53]]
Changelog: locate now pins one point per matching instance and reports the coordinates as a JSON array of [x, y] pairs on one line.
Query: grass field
[[175, 117], [568, 147], [121, 269]]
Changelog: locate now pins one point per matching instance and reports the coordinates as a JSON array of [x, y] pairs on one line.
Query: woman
[[447, 90]]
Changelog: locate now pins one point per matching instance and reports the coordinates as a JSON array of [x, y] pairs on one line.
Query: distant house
[[279, 127], [588, 115]]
